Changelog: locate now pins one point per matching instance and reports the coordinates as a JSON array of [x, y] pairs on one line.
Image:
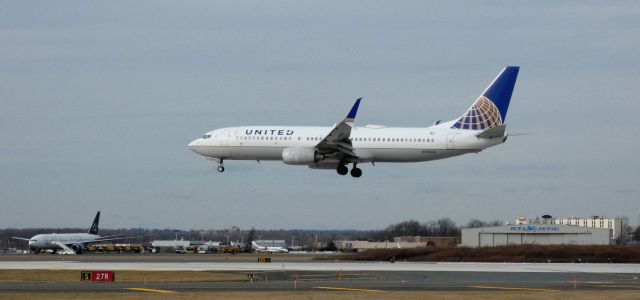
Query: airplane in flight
[[68, 243], [267, 249], [480, 127]]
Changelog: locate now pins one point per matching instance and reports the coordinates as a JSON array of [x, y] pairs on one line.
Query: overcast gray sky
[[99, 99]]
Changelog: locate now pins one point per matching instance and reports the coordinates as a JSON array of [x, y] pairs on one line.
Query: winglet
[[354, 109]]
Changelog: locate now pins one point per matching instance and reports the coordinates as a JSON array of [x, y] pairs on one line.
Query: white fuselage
[[372, 143], [269, 249], [53, 240]]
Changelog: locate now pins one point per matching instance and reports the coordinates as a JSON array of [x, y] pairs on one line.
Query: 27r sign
[[97, 276]]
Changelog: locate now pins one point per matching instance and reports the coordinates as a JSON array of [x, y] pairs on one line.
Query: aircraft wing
[[106, 239], [110, 236], [64, 247], [338, 140], [19, 238]]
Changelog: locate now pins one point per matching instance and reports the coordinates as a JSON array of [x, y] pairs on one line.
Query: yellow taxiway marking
[[510, 288], [150, 290], [346, 289]]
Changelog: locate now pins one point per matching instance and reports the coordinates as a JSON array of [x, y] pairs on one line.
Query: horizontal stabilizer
[[494, 132]]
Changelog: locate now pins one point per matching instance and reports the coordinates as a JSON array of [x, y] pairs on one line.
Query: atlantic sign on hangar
[[540, 234]]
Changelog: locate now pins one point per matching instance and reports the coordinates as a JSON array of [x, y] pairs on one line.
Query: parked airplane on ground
[[267, 249], [480, 127], [69, 243]]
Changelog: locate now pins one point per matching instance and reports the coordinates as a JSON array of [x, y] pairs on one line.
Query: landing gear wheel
[[356, 172], [342, 170], [221, 166]]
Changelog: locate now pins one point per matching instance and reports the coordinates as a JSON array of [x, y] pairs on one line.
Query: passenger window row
[[410, 140], [288, 138]]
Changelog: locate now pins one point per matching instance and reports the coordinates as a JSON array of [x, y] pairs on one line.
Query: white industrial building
[[539, 234], [170, 243], [399, 242], [618, 227]]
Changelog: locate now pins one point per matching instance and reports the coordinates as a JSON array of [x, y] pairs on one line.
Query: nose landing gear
[[221, 166]]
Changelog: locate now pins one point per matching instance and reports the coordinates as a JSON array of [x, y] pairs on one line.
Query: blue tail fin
[[94, 226], [490, 110]]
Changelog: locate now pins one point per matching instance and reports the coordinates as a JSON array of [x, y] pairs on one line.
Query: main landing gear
[[355, 172], [342, 170]]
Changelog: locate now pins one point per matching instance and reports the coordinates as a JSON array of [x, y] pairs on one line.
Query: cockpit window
[[206, 136]]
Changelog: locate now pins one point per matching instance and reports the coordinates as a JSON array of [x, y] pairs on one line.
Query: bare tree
[[446, 227], [636, 234], [475, 223]]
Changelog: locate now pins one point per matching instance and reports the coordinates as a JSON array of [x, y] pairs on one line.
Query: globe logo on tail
[[482, 115]]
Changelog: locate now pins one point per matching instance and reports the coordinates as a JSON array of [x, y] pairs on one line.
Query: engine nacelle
[[78, 248], [300, 156]]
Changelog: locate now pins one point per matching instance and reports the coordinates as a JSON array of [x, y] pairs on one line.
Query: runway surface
[[344, 276], [363, 281], [326, 266]]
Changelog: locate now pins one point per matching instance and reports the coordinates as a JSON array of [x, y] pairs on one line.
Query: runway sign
[[97, 276]]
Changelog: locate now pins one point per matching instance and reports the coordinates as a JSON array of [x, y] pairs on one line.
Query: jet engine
[[78, 248], [300, 156]]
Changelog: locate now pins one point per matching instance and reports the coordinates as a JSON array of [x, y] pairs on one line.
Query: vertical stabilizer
[[490, 110], [94, 226]]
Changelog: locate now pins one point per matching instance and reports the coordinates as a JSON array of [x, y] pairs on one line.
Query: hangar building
[[618, 227], [534, 234]]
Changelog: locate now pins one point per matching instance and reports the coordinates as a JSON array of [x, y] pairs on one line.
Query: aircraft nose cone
[[194, 146]]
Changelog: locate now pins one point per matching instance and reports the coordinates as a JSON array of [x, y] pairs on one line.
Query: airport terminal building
[[540, 234]]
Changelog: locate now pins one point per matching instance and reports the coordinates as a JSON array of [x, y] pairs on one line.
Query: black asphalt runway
[[482, 277], [361, 281]]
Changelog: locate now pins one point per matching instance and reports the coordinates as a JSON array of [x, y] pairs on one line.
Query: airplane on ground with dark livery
[[480, 127], [68, 243]]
